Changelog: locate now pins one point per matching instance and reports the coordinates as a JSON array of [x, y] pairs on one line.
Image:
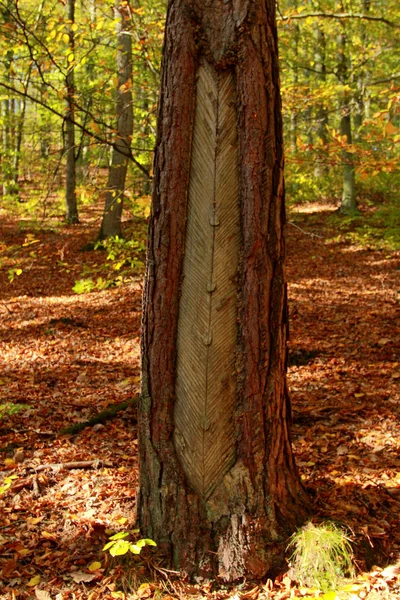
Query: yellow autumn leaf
[[34, 581], [9, 462], [34, 520], [70, 57], [122, 520], [47, 535], [95, 565], [65, 38], [118, 595]]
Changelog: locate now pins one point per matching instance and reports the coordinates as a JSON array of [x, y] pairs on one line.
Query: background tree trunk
[[111, 222], [321, 168], [70, 191], [349, 202], [219, 491]]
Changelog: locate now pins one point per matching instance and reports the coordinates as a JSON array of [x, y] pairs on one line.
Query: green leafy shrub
[[321, 556], [119, 545], [125, 259], [302, 186]]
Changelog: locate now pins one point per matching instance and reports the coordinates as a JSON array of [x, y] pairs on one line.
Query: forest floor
[[66, 357]]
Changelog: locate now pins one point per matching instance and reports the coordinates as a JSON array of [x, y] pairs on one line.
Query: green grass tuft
[[321, 556]]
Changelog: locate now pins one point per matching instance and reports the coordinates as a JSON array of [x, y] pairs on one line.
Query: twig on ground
[[313, 235], [6, 307], [383, 488]]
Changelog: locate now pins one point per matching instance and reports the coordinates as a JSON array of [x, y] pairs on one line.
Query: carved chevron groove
[[207, 329]]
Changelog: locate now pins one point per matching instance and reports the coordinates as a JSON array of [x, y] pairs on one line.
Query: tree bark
[[321, 168], [219, 490], [348, 204], [71, 215], [111, 222]]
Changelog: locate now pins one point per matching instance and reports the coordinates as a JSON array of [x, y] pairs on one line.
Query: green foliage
[[124, 260], [119, 545], [9, 409], [321, 556], [379, 224], [302, 186], [123, 253], [12, 273]]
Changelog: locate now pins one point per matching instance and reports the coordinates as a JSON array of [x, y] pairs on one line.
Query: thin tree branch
[[348, 15], [386, 80], [114, 145]]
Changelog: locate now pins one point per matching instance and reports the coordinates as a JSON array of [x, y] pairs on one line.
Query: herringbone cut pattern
[[207, 331]]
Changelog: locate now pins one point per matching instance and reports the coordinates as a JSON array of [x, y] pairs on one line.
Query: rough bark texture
[[111, 222], [227, 507]]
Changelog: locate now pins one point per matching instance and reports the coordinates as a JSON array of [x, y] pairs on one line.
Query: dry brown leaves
[[67, 357]]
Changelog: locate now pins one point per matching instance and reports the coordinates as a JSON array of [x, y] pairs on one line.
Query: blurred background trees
[[62, 87]]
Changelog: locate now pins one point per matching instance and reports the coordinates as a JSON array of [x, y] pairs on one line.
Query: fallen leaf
[[144, 591], [251, 594], [390, 572], [34, 520], [81, 577], [42, 595], [122, 520], [94, 566], [9, 568], [34, 581]]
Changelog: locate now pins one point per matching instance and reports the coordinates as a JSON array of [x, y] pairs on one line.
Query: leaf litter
[[66, 357]]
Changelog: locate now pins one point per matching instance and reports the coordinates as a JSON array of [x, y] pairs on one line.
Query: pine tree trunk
[[111, 222], [219, 491]]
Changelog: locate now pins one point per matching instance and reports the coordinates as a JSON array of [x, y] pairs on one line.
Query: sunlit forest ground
[[70, 321]]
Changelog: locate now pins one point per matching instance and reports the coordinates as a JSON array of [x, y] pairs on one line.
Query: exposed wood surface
[[207, 331]]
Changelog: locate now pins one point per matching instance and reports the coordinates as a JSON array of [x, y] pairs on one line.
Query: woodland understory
[[65, 357]]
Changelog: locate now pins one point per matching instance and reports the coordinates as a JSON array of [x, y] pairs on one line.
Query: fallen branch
[[108, 413], [78, 464]]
